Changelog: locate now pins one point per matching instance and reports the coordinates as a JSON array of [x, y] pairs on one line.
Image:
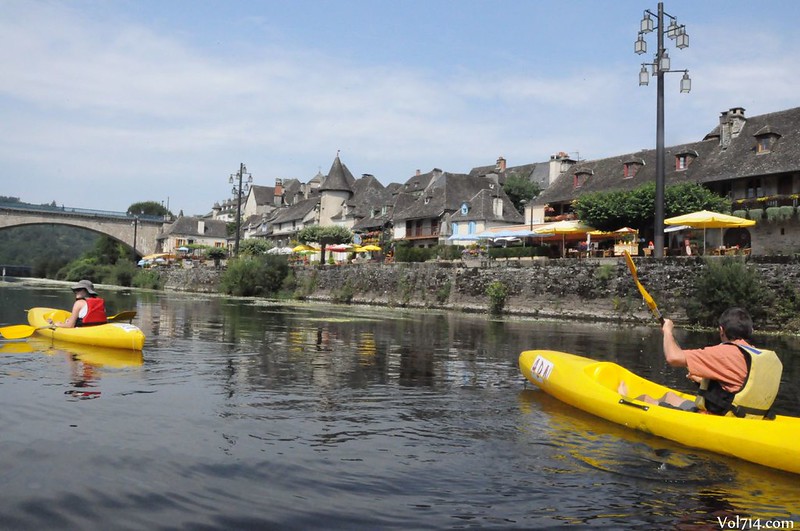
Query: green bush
[[723, 284], [449, 252], [404, 252], [250, 276], [147, 279], [343, 295], [122, 273], [497, 292], [79, 269], [305, 286], [786, 310], [443, 293]]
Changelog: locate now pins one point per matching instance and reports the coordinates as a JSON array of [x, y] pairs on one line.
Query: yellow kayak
[[111, 335], [593, 385]]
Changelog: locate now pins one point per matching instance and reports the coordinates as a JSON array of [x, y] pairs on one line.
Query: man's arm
[[673, 352]]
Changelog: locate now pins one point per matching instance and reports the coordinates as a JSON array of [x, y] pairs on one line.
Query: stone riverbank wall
[[591, 289]]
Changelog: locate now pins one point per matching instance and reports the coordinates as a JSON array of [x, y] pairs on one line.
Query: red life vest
[[95, 312]]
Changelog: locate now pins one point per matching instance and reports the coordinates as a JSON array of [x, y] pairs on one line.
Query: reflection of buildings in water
[[198, 318], [366, 348], [416, 367]]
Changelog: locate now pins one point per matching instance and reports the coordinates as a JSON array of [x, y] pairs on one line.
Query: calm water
[[245, 414]]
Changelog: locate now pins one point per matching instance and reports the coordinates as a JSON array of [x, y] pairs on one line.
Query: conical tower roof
[[339, 178]]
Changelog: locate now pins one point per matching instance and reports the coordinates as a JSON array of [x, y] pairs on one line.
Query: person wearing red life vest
[[89, 309]]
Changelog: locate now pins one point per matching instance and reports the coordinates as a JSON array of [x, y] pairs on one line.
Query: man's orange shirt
[[723, 363]]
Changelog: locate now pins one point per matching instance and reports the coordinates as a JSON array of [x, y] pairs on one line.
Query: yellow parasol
[[563, 228], [301, 248], [705, 219]]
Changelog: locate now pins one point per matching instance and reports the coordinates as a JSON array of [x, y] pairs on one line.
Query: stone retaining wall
[[593, 289]]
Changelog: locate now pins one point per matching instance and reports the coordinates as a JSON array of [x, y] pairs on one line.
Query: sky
[[105, 103]]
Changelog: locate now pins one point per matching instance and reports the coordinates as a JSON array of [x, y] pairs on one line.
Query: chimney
[[501, 164], [731, 123], [418, 173], [559, 163], [277, 195], [201, 227]]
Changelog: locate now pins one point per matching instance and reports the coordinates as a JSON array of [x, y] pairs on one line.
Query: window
[[754, 188], [454, 228], [471, 229], [766, 137], [684, 159], [580, 179], [630, 169]]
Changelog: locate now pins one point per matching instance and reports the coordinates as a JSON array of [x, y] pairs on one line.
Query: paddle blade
[[651, 303], [16, 331], [127, 315]]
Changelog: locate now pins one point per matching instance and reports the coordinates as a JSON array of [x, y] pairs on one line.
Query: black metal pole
[[238, 210], [135, 230], [658, 238]]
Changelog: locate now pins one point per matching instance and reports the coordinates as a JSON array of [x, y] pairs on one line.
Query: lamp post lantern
[[661, 65], [239, 190]]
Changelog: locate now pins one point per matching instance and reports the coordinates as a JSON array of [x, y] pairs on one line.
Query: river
[[254, 414]]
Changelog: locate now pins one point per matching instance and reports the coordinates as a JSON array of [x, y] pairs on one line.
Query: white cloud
[[136, 114]]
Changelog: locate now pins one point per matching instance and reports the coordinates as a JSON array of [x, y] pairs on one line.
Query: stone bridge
[[137, 232]]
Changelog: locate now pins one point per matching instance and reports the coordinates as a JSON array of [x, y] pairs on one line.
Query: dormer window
[[581, 177], [683, 159], [766, 139], [631, 167], [464, 209]]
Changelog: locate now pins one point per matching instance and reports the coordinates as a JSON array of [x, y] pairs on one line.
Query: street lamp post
[[135, 230], [660, 66], [239, 190]]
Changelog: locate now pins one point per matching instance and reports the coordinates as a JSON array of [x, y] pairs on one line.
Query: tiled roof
[[265, 195], [713, 162], [295, 212], [189, 226], [339, 178], [481, 208]]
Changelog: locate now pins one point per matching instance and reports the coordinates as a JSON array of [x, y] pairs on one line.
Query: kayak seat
[[606, 373]]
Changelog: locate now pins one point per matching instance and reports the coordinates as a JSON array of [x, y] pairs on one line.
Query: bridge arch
[[137, 232]]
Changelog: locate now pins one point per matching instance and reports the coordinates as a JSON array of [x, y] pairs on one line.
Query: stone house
[[753, 161], [192, 230], [431, 207]]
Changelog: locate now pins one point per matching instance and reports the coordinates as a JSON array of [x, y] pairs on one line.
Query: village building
[[753, 161], [187, 230]]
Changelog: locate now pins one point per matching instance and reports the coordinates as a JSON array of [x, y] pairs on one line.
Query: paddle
[[19, 331], [646, 296], [22, 331], [127, 315]]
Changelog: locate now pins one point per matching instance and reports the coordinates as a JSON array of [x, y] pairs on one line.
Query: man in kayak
[[733, 376], [88, 310]]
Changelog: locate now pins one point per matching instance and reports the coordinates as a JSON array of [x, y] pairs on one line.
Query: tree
[[324, 236], [254, 247], [216, 254], [518, 188], [148, 208], [636, 208]]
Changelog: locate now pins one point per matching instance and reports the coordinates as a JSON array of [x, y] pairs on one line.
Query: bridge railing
[[85, 212]]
